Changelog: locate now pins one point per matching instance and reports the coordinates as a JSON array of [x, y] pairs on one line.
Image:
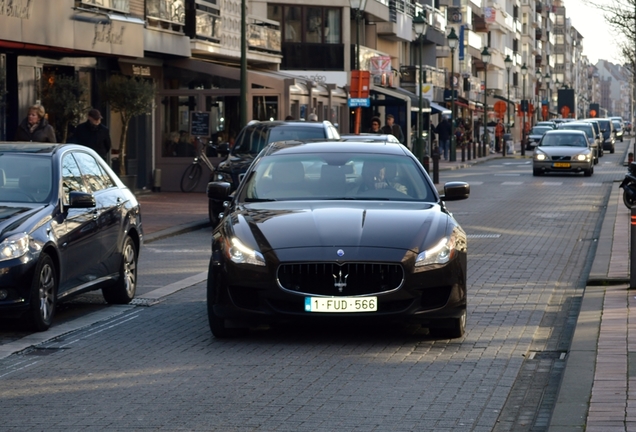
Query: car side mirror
[[223, 149], [219, 190], [455, 191], [81, 200]]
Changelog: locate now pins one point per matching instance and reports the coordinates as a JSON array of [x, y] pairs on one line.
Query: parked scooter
[[629, 186]]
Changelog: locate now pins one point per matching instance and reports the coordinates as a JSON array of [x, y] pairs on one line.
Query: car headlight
[[241, 254], [582, 157], [14, 246], [540, 156], [438, 255]]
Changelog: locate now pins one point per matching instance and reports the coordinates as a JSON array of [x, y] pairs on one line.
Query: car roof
[[576, 123], [325, 146], [284, 123], [564, 132], [28, 147]]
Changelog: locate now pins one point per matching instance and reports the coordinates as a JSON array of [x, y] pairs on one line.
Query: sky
[[598, 39]]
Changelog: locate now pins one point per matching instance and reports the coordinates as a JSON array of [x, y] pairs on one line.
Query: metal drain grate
[[483, 236], [547, 355], [140, 301]]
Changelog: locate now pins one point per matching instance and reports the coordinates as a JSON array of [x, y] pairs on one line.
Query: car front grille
[[332, 279], [561, 158]]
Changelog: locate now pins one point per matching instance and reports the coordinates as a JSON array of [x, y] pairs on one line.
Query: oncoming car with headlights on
[[563, 151], [337, 231]]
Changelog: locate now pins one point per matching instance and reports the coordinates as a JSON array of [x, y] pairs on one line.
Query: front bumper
[[551, 166]]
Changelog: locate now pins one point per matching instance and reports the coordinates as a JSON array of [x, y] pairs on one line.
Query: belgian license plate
[[341, 304], [562, 164]]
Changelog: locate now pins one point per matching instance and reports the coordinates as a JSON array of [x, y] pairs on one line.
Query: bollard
[[156, 180], [436, 165], [632, 256], [630, 158], [426, 164], [463, 153], [470, 144]]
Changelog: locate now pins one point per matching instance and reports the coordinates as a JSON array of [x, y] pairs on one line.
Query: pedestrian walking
[[444, 132], [375, 125], [391, 128], [499, 133], [93, 134], [35, 127]]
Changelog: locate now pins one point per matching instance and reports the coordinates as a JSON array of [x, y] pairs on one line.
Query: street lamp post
[[421, 26], [485, 58], [452, 44], [540, 81], [524, 72], [358, 6], [508, 62], [547, 79]]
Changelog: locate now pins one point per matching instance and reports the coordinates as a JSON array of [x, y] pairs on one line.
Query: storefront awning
[[438, 109], [392, 92]]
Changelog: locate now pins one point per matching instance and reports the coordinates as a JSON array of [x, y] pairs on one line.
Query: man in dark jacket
[[390, 128], [92, 133], [444, 132]]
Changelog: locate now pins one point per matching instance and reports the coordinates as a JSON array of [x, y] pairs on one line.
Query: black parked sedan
[[67, 225], [337, 230]]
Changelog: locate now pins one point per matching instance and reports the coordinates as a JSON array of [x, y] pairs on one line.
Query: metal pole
[[418, 152], [358, 110], [504, 144], [485, 136], [632, 255], [243, 104], [523, 113], [453, 149]]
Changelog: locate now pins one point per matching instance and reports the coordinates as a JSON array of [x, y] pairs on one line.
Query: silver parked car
[[563, 151]]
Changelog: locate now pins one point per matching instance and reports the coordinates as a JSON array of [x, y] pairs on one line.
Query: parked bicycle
[[192, 174]]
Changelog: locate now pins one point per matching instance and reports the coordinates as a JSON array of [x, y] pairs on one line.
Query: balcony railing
[[116, 5], [263, 35]]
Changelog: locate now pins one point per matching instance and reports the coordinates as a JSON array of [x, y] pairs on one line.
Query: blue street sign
[[359, 102]]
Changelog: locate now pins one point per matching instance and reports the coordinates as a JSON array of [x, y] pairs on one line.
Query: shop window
[[308, 24], [265, 108], [176, 126]]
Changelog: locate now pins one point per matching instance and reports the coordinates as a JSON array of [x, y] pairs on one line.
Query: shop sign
[[16, 8], [141, 70]]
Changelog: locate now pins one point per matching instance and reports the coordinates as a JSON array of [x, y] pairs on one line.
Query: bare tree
[[621, 16]]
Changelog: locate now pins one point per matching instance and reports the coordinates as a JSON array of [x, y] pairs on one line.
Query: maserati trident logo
[[340, 281]]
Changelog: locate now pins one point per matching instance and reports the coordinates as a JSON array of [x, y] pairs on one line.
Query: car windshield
[[253, 139], [25, 178], [585, 128], [540, 130], [337, 176], [563, 140]]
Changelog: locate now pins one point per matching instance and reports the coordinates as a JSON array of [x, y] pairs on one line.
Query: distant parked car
[[563, 151], [69, 225], [251, 140], [618, 129], [535, 135], [609, 139], [597, 129]]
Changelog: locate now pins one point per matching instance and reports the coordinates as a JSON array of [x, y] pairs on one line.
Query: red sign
[[565, 111], [592, 113], [359, 84]]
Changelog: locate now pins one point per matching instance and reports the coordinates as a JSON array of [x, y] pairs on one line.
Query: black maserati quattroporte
[[337, 230]]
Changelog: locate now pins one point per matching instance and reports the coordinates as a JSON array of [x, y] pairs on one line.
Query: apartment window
[[117, 5], [172, 11], [307, 24]]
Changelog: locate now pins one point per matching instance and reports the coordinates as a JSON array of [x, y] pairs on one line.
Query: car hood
[[275, 226], [236, 162], [13, 216], [562, 150]]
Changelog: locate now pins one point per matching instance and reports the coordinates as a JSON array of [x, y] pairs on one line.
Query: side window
[[71, 177], [93, 174]]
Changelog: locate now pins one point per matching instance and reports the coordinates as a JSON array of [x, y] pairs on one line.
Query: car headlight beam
[[438, 255], [241, 254], [14, 247]]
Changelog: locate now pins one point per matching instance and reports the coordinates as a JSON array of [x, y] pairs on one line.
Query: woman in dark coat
[[35, 127]]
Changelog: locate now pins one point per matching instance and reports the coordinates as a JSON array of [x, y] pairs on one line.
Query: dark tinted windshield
[[252, 139], [25, 178]]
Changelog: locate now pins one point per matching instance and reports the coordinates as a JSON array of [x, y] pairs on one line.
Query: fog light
[[3, 294]]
